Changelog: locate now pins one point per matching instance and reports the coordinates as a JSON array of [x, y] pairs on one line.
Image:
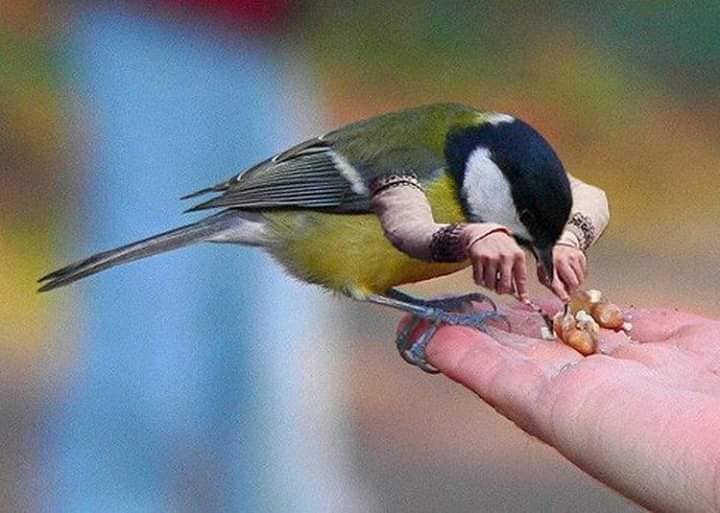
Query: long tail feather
[[205, 230]]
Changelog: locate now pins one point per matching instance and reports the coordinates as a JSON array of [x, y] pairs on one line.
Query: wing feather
[[305, 176]]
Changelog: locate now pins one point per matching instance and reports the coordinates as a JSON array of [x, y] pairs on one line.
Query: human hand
[[498, 263], [570, 271], [643, 416]]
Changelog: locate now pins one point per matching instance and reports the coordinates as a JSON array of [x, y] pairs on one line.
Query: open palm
[[642, 416]]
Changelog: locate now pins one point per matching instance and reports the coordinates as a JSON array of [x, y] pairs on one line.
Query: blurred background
[[206, 381]]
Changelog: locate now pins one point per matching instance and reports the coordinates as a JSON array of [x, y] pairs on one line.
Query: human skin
[[500, 264], [642, 415], [570, 271]]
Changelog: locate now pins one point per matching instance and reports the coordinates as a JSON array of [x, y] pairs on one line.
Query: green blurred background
[[628, 95]]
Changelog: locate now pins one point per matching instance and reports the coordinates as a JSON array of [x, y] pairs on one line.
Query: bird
[[310, 208]]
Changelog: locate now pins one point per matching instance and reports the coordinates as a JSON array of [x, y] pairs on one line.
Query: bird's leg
[[460, 303], [435, 314]]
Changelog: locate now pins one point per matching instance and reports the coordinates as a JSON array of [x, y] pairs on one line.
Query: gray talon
[[415, 354], [451, 311], [464, 301], [403, 341], [477, 320], [447, 304]]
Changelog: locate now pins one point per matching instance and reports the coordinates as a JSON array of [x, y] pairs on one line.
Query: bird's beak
[[545, 259]]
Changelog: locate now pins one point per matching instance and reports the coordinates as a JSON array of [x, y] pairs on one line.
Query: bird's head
[[509, 174]]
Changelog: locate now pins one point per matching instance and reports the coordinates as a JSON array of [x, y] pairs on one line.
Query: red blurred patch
[[255, 12]]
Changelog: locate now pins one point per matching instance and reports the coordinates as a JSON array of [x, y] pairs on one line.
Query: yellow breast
[[349, 252]]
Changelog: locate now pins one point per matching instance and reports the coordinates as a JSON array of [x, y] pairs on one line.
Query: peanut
[[562, 323], [581, 341], [608, 315], [586, 312], [585, 322]]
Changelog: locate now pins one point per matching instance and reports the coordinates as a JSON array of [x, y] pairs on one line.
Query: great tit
[[311, 207]]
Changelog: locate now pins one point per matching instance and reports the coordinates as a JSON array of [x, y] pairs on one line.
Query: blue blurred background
[[207, 381]]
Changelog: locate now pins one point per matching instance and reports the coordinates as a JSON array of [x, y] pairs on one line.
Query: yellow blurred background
[[628, 96]]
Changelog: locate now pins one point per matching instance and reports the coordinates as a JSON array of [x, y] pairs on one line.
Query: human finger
[[478, 272], [654, 325], [582, 260], [490, 273], [664, 324], [558, 288], [506, 274], [520, 277], [567, 274], [579, 267], [497, 372]]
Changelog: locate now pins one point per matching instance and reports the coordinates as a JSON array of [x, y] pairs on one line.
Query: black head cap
[[539, 185]]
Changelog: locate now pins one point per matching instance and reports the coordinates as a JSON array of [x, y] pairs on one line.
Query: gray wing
[[309, 175]]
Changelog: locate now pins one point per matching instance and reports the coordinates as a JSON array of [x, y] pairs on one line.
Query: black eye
[[527, 218]]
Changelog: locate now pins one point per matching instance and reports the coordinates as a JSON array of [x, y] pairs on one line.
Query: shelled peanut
[[586, 312], [580, 334]]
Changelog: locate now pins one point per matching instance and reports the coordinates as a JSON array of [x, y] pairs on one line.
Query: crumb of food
[[586, 323], [627, 326], [582, 316], [594, 295], [546, 334]]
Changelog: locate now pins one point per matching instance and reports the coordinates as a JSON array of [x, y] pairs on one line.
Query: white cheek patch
[[496, 118], [350, 174], [488, 193]]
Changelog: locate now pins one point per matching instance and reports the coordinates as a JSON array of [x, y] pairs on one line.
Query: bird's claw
[[461, 303], [413, 351]]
